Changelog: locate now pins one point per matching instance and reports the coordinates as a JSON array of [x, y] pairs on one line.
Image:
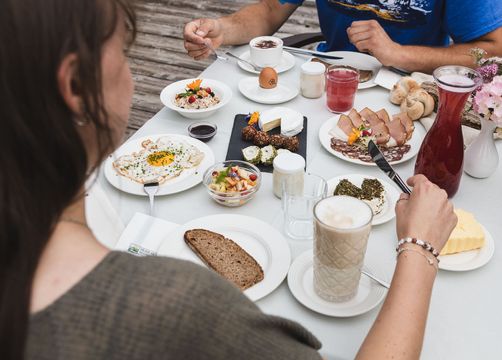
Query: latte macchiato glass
[[342, 225]]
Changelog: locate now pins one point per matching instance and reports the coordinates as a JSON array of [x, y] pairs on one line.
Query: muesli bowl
[[176, 97], [233, 182]]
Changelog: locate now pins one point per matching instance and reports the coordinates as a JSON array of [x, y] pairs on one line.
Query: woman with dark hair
[[65, 90]]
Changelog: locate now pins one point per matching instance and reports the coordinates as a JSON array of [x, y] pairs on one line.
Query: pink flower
[[488, 100]]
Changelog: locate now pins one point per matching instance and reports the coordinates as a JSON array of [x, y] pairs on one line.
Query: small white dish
[[168, 95], [391, 195], [262, 241], [250, 88], [469, 260], [187, 179], [301, 284], [287, 62], [325, 138], [359, 61]]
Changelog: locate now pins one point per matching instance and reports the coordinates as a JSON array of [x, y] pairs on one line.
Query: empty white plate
[[301, 284], [469, 260], [283, 92], [286, 63]]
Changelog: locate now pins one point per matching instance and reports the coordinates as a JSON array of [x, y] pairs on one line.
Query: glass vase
[[441, 155]]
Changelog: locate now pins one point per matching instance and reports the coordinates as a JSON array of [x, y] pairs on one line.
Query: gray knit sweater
[[158, 308]]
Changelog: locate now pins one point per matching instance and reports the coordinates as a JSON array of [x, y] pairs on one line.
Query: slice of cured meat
[[370, 117], [398, 132], [406, 122], [355, 118], [383, 115], [381, 133], [345, 124]]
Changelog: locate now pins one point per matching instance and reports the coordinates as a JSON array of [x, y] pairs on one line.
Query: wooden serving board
[[236, 143]]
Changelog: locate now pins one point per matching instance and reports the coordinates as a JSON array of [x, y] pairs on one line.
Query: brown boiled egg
[[268, 78]]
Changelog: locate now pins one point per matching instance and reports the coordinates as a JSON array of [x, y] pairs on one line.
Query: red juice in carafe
[[441, 155], [341, 87]]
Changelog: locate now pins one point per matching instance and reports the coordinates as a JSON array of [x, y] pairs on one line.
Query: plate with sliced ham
[[347, 135]]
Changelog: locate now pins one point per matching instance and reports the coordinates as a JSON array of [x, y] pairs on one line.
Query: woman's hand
[[199, 33], [426, 214]]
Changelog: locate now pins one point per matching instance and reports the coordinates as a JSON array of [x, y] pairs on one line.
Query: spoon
[[371, 276], [219, 57], [255, 68], [151, 190]]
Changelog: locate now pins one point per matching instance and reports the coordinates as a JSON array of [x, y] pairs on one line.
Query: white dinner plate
[[283, 92], [301, 284], [469, 260], [187, 179], [262, 241], [287, 62], [325, 138], [168, 95], [391, 195], [359, 61]]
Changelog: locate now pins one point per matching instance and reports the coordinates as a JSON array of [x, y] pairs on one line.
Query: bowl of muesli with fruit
[[196, 98]]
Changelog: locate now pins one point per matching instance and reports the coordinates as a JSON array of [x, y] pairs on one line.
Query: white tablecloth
[[465, 318]]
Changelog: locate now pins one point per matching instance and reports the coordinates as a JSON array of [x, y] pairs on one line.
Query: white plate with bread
[[248, 252], [301, 284]]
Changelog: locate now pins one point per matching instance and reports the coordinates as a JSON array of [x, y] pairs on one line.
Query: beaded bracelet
[[426, 245], [429, 260]]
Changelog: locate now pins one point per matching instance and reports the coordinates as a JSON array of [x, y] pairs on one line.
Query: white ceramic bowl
[[168, 95]]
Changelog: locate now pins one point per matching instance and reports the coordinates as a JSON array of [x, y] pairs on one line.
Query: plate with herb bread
[[246, 251], [379, 194]]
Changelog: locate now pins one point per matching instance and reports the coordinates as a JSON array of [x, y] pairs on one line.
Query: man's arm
[[263, 18], [369, 36]]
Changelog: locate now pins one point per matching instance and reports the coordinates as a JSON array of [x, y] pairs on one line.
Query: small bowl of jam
[[203, 131]]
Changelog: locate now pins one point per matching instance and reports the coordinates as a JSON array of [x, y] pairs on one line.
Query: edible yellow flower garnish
[[356, 134], [254, 118], [195, 85]]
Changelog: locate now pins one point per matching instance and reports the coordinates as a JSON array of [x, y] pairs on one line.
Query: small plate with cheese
[[469, 247]]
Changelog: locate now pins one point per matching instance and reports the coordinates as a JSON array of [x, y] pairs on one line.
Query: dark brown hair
[[43, 162]]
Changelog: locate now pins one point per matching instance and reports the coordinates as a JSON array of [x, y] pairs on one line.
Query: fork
[[151, 190], [255, 67]]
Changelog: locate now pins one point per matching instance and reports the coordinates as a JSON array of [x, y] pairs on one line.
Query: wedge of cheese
[[467, 235], [290, 121]]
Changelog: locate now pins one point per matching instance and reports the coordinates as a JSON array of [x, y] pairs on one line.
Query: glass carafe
[[441, 155]]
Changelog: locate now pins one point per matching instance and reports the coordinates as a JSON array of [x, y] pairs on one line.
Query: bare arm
[[369, 36], [398, 331], [262, 18]]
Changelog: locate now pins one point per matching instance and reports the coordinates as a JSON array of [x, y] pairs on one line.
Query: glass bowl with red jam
[[203, 131]]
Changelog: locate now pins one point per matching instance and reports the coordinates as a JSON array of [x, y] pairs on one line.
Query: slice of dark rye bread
[[225, 257]]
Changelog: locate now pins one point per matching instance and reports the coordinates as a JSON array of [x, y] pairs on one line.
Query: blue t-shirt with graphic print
[[409, 22]]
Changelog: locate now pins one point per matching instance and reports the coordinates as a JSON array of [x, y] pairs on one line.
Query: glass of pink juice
[[341, 87]]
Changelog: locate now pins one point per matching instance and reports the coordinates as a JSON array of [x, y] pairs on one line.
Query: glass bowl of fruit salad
[[232, 182]]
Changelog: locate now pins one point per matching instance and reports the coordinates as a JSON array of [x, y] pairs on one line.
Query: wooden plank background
[[158, 57]]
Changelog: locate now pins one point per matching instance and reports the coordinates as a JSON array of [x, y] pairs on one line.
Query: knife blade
[[311, 53], [384, 165]]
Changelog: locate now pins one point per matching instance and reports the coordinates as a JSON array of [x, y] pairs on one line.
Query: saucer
[[250, 88], [301, 284], [286, 63]]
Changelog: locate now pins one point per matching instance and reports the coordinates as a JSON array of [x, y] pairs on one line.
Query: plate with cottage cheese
[[379, 194]]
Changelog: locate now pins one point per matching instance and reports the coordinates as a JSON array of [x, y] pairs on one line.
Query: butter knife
[[384, 165], [311, 53]]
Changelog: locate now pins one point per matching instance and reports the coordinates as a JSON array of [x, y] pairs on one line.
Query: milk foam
[[343, 212]]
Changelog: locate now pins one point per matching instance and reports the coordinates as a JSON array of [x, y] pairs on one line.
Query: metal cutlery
[[255, 67], [218, 56], [384, 165], [151, 190], [371, 276], [311, 53]]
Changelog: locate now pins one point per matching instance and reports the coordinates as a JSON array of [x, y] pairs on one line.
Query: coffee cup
[[266, 51], [342, 225]]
